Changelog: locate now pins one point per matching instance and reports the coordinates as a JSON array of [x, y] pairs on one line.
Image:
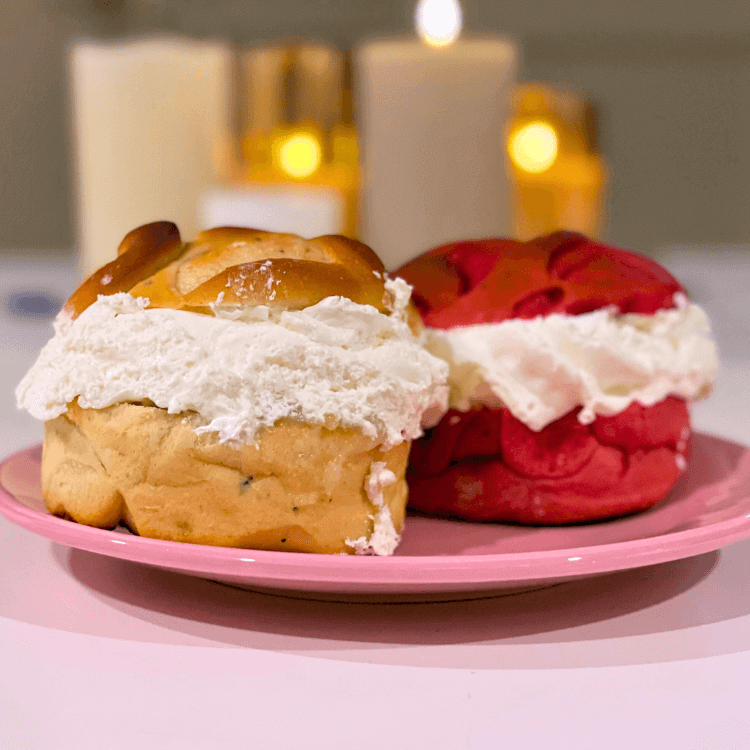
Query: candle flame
[[438, 22], [533, 147], [299, 155]]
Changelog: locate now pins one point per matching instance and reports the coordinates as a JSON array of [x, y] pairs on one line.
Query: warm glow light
[[438, 22], [299, 155], [533, 147]]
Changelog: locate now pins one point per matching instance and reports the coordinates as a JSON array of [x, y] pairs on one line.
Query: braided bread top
[[236, 266]]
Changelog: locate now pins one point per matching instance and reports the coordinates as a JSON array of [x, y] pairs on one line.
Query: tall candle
[[432, 137], [148, 117]]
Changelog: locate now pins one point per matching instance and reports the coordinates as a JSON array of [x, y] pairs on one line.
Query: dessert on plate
[[245, 389], [572, 370]]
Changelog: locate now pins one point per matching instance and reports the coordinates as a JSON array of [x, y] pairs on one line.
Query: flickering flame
[[533, 147], [299, 155], [438, 22]]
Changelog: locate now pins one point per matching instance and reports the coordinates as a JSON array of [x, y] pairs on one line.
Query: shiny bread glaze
[[235, 266]]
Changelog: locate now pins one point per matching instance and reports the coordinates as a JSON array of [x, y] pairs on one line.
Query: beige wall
[[672, 78], [35, 181]]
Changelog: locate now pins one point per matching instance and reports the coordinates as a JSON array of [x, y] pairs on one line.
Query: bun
[[488, 281], [300, 486], [247, 266], [298, 489], [484, 463]]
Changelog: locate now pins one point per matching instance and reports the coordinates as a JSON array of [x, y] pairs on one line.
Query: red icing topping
[[487, 281]]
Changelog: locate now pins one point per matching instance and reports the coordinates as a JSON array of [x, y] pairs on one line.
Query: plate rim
[[282, 569]]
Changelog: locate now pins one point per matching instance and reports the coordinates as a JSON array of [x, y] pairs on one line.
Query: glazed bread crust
[[300, 488], [245, 266]]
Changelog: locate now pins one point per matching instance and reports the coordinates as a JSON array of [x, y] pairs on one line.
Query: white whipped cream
[[384, 538], [542, 368], [334, 363]]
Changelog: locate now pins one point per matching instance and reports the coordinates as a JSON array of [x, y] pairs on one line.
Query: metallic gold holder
[[293, 120], [560, 180]]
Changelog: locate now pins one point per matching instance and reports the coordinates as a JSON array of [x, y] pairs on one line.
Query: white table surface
[[102, 653]]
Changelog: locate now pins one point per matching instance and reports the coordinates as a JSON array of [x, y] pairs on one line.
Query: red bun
[[484, 464], [487, 281]]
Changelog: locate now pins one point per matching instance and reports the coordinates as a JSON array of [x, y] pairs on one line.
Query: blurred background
[[657, 93]]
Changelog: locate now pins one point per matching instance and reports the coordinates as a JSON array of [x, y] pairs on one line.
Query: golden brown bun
[[301, 488], [247, 266]]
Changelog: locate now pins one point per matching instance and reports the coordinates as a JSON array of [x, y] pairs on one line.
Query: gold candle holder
[[560, 181], [294, 120]]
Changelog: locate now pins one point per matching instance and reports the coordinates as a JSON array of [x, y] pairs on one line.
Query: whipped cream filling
[[542, 368], [336, 363]]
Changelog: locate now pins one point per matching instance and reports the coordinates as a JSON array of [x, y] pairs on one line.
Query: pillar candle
[[148, 118], [433, 132]]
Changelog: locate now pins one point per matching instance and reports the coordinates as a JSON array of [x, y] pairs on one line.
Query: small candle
[[306, 210], [432, 125]]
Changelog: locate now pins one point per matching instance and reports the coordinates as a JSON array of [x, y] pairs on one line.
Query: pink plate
[[438, 559]]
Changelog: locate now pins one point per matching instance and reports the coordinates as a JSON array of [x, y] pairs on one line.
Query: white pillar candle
[[148, 117], [432, 124]]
